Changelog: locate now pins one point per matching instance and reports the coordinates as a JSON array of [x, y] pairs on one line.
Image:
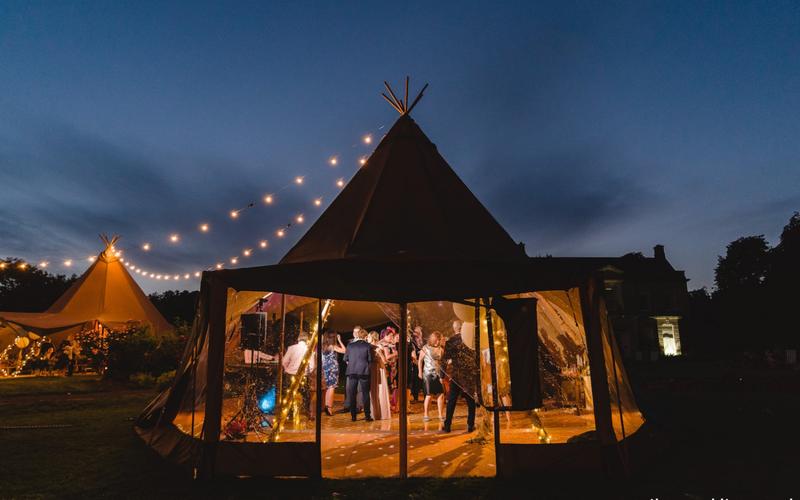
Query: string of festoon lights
[[175, 238]]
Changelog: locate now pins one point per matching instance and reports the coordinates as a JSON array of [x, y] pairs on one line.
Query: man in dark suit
[[460, 361], [358, 357]]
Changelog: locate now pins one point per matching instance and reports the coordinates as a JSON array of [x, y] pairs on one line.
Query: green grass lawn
[[730, 433]]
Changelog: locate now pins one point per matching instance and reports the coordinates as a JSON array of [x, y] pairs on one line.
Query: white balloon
[[468, 334]]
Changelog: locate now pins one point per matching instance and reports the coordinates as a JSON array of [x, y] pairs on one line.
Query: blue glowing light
[[266, 403]]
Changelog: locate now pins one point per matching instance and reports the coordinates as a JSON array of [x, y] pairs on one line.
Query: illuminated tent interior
[[104, 297], [406, 243]]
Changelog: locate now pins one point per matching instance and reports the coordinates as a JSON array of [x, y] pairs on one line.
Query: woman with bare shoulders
[[430, 372], [331, 345], [379, 384]]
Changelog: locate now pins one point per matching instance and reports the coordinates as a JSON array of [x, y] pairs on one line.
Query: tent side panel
[[171, 444], [268, 459], [216, 363], [521, 460], [591, 316], [626, 417]]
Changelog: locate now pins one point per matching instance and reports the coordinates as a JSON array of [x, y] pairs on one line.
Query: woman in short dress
[[429, 371], [378, 383], [331, 344]]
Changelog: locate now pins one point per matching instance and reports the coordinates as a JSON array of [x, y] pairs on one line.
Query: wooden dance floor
[[371, 449]]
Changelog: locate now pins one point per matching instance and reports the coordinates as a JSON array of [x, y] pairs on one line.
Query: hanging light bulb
[[3, 265], [146, 247], [186, 276], [22, 266], [367, 139], [173, 238], [298, 180], [158, 276], [247, 252], [333, 161], [204, 227], [280, 233], [268, 199], [362, 161], [340, 182], [176, 277], [318, 202], [234, 214], [43, 264], [152, 275], [263, 243], [219, 265], [91, 259], [299, 219], [234, 260], [197, 274]]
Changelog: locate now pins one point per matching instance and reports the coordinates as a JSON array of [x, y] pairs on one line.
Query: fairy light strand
[[175, 238]]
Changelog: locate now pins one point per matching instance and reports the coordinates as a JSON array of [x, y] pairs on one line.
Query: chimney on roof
[[658, 253]]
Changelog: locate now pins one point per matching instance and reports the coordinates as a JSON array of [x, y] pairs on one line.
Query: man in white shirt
[[294, 355], [291, 364]]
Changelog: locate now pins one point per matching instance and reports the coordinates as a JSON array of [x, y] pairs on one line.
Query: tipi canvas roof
[[405, 203], [105, 293]]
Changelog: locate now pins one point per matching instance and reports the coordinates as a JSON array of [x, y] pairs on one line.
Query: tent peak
[[401, 105], [109, 252]]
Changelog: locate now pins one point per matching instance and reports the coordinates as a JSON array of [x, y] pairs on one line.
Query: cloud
[[62, 187], [559, 197]]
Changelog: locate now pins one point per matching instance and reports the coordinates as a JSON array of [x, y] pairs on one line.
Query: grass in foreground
[[731, 435]]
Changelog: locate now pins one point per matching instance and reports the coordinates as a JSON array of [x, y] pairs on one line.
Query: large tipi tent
[[104, 296], [407, 235]]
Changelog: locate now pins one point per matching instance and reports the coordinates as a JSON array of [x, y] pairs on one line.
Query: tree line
[[28, 288], [753, 305], [752, 308]]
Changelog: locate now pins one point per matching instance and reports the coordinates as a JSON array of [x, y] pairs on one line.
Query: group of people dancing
[[372, 380], [435, 367]]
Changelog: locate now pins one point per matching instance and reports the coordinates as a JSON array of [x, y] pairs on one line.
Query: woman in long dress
[[378, 383], [389, 340]]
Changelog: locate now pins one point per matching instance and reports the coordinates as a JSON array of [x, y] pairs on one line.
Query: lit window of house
[[669, 338]]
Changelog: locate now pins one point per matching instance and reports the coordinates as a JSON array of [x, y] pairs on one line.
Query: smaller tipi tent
[[105, 294]]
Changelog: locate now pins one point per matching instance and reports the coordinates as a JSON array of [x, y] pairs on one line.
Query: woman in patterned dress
[[331, 345]]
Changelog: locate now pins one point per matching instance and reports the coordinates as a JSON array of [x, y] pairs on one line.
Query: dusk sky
[[586, 131]]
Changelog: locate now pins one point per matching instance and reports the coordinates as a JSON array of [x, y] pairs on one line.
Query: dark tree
[[26, 288], [744, 265], [785, 257], [702, 331], [740, 302], [781, 286], [178, 307]]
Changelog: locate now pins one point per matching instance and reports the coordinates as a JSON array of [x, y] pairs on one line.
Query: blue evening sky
[[588, 129]]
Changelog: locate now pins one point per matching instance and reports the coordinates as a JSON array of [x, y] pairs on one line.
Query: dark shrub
[[138, 350]]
